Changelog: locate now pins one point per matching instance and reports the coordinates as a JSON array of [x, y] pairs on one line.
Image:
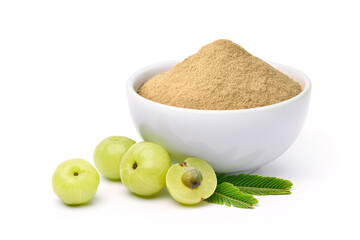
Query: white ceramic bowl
[[230, 140]]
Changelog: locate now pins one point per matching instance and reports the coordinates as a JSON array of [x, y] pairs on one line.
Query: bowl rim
[[134, 78]]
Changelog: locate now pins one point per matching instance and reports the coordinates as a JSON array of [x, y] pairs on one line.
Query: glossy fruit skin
[[184, 194], [143, 168], [75, 181], [108, 155]]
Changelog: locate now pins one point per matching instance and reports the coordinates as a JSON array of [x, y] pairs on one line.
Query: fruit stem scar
[[76, 174], [182, 164], [134, 166]]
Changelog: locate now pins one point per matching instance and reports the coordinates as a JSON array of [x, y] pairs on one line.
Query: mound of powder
[[220, 76]]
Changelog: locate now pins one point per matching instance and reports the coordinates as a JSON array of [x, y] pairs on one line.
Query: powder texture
[[220, 76]]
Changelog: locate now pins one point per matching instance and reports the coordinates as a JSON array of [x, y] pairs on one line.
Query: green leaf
[[257, 185], [228, 194]]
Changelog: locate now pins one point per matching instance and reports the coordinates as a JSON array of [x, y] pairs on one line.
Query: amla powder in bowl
[[220, 76]]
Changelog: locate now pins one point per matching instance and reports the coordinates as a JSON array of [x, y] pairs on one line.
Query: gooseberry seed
[[192, 177]]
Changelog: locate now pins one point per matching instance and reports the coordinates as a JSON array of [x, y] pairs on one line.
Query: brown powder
[[221, 76]]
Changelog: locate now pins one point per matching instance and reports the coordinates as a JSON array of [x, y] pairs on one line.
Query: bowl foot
[[245, 172]]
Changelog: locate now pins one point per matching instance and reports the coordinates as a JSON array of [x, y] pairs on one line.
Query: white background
[[63, 69]]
